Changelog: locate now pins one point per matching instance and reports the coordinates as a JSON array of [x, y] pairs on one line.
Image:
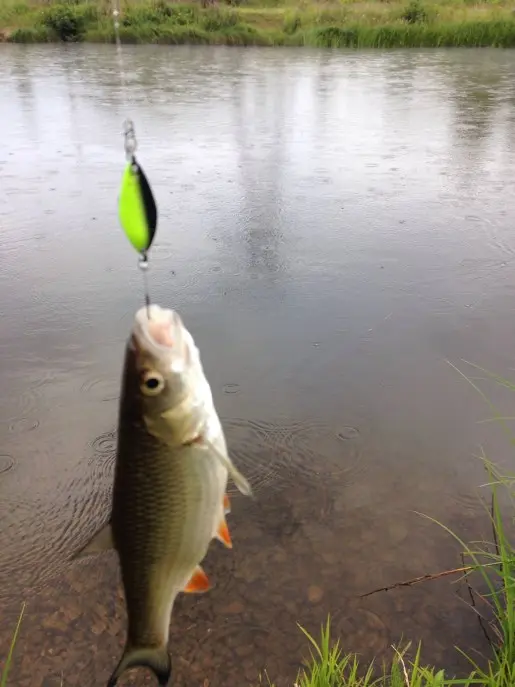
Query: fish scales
[[176, 515]]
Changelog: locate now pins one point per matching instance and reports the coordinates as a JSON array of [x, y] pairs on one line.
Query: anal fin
[[222, 534], [199, 582]]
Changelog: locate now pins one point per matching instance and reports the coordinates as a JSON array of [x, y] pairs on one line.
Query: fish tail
[[157, 659]]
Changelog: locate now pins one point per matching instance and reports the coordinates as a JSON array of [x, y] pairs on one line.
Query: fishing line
[[137, 210]]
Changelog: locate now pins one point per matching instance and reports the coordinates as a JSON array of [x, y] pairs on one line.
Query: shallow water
[[334, 227]]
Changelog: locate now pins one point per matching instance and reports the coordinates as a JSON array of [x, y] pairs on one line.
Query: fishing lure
[[136, 205]]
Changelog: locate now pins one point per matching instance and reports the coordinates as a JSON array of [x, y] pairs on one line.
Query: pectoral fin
[[239, 480], [101, 541], [227, 504], [199, 582]]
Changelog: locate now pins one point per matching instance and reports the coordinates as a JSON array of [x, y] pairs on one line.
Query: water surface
[[334, 227]]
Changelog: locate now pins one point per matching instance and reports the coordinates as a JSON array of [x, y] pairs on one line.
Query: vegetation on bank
[[331, 23]]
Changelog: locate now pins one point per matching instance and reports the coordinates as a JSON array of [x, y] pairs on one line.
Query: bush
[[68, 22], [414, 13]]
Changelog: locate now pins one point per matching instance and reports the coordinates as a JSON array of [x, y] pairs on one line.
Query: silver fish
[[170, 482]]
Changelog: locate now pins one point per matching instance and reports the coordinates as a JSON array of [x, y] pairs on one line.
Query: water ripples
[[42, 525], [274, 454], [100, 389], [24, 405], [6, 463], [231, 388], [104, 445], [23, 424]]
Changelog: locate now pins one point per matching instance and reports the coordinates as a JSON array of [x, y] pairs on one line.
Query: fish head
[[162, 358]]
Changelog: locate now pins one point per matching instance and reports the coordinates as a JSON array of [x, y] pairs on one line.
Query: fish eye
[[152, 383]]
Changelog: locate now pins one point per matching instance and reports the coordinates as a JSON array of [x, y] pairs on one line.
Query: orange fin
[[198, 583], [227, 504], [223, 534]]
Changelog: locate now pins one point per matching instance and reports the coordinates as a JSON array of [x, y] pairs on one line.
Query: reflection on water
[[333, 227]]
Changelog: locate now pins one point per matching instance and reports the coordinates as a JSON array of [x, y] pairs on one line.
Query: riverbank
[[410, 23]]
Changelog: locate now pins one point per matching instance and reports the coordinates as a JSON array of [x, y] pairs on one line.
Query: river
[[334, 228]]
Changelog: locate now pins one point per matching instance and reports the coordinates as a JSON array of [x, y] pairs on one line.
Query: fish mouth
[[157, 328]]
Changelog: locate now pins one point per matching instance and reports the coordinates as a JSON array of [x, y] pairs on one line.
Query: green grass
[[329, 24], [329, 666], [5, 672]]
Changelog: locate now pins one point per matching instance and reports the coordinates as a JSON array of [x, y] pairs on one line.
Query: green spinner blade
[[137, 208]]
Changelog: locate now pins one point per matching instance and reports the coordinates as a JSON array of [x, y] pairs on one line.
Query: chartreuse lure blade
[[137, 208]]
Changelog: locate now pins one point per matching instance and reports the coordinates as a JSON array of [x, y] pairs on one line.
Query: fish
[[171, 473]]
